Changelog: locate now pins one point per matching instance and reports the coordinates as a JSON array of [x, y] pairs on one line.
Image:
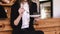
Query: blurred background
[[47, 18]]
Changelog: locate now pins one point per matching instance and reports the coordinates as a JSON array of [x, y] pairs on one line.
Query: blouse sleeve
[[14, 15]]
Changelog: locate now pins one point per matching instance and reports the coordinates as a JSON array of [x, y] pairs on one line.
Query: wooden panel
[[8, 10], [5, 25], [6, 32], [48, 26], [47, 29], [47, 23], [11, 2], [6, 21], [57, 32], [52, 32]]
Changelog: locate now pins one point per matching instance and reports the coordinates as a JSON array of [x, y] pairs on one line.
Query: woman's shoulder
[[33, 3]]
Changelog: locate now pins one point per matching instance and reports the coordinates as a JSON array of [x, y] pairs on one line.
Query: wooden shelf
[[48, 23], [8, 4], [5, 25], [52, 24]]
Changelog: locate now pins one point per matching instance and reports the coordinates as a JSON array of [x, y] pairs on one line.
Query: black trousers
[[27, 31]]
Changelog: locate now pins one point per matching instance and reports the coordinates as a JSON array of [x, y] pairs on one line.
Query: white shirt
[[26, 16]]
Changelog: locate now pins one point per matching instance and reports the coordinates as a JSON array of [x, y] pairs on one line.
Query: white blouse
[[26, 16]]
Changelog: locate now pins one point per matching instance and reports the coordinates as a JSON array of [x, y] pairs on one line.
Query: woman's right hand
[[21, 11]]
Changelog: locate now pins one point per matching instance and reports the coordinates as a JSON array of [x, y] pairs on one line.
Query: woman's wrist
[[20, 15]]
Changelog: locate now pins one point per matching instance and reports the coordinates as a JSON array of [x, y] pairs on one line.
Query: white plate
[[34, 15]]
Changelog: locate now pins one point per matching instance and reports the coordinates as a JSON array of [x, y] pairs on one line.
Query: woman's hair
[[17, 2], [0, 0], [29, 1], [23, 0]]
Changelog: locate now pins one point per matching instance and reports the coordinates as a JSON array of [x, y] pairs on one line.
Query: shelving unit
[[5, 27]]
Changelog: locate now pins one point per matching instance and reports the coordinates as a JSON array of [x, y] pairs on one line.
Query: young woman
[[21, 21]]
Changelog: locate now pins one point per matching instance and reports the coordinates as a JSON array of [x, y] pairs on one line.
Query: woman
[[21, 21]]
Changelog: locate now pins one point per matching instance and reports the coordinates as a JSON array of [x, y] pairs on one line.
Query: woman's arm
[[16, 21]]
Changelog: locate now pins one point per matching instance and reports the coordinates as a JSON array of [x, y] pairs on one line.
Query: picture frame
[[46, 8]]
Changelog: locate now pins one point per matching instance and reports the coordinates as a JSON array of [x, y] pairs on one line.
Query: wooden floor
[[48, 26]]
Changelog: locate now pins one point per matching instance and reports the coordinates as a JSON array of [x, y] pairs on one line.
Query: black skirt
[[27, 31]]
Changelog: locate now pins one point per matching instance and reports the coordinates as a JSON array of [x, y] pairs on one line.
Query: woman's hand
[[21, 11]]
